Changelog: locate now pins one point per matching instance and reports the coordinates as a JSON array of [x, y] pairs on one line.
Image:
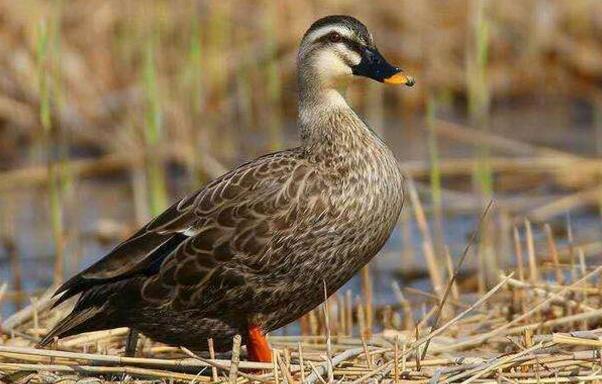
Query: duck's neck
[[326, 121]]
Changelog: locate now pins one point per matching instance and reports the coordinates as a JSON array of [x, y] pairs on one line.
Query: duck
[[260, 246]]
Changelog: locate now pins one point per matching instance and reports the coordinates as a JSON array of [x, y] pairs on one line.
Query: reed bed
[[540, 323], [130, 73]]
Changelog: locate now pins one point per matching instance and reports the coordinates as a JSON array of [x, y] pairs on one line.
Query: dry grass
[[519, 331]]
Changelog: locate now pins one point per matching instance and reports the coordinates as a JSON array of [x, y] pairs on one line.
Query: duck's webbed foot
[[257, 346]]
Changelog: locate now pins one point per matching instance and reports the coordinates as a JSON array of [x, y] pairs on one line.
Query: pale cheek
[[330, 66]]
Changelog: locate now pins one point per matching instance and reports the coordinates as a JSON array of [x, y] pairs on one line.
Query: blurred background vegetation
[[110, 110]]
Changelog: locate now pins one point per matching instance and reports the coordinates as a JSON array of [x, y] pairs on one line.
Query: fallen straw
[[414, 347], [500, 331], [194, 363]]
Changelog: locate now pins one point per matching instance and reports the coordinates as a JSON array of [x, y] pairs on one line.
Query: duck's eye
[[335, 37]]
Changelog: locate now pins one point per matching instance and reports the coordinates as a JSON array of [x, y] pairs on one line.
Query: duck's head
[[336, 48]]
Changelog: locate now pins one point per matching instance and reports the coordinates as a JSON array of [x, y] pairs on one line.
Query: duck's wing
[[234, 213], [241, 230]]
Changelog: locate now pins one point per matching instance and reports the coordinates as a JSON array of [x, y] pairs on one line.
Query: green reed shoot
[[478, 93], [153, 133], [46, 49], [195, 69], [66, 177], [435, 172], [244, 92], [478, 109], [273, 76], [219, 44], [192, 81]]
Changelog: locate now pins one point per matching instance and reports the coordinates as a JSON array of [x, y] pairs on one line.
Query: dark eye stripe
[[350, 44], [353, 45]]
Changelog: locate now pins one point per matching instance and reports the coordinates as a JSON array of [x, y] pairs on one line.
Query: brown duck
[[251, 251]]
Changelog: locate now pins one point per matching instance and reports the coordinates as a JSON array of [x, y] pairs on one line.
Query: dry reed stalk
[[560, 338], [582, 264], [212, 357], [132, 371], [455, 167], [34, 176], [478, 372], [365, 347], [233, 374], [420, 341], [461, 133], [36, 323], [315, 374], [553, 253], [557, 287], [313, 323], [92, 337], [367, 294], [433, 297], [408, 318], [565, 204], [326, 310], [544, 293], [322, 369], [584, 297], [275, 359], [426, 316], [533, 271], [403, 357], [477, 340], [349, 313], [432, 266], [361, 321], [26, 314], [341, 318], [518, 250], [7, 213], [396, 361], [3, 288], [478, 303], [557, 380], [450, 272], [195, 362], [455, 273], [301, 363], [428, 247], [227, 367], [571, 246], [407, 253], [286, 374]]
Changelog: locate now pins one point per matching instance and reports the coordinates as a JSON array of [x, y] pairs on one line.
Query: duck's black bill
[[374, 66]]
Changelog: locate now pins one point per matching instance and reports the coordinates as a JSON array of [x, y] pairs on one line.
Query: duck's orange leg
[[257, 346]]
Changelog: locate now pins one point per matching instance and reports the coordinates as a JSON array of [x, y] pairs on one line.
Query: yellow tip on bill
[[400, 78]]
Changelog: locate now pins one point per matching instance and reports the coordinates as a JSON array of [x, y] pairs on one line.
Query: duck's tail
[[96, 309], [76, 322]]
